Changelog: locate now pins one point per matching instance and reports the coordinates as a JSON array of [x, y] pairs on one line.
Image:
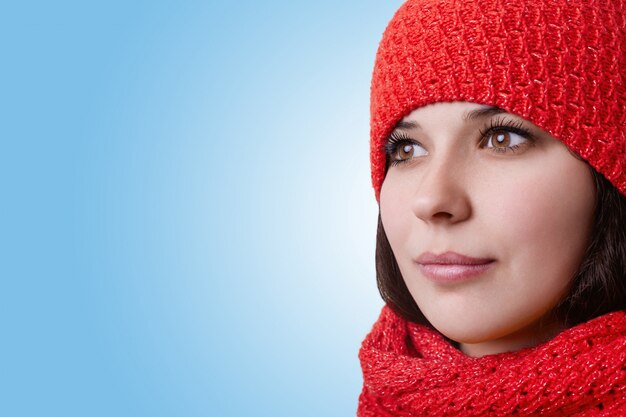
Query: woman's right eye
[[400, 148], [407, 151]]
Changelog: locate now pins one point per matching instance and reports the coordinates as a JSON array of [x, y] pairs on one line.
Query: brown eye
[[401, 148], [405, 152], [501, 139]]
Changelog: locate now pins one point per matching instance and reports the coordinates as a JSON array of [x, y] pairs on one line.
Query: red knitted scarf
[[411, 370]]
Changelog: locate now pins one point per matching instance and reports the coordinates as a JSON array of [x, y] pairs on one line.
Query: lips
[[452, 267]]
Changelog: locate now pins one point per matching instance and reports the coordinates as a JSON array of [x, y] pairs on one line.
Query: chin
[[466, 338], [471, 333]]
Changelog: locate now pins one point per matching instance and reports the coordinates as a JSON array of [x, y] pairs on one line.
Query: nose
[[441, 194]]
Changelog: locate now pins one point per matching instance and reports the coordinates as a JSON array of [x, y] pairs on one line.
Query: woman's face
[[488, 217]]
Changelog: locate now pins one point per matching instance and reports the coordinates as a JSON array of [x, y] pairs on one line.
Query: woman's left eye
[[502, 140]]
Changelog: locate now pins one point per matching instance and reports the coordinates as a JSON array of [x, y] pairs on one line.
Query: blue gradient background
[[187, 220]]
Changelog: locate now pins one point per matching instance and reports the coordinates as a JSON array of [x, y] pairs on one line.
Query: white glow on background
[[189, 223]]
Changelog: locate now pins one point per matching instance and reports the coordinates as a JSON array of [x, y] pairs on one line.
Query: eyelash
[[399, 138]]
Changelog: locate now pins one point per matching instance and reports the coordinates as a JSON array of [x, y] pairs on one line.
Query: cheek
[[395, 210], [546, 215]]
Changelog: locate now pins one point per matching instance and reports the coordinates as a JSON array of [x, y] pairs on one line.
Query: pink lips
[[451, 267]]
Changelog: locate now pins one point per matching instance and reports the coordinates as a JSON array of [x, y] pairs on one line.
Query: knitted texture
[[410, 370], [559, 63]]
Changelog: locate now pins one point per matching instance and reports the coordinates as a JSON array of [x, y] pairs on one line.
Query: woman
[[498, 147]]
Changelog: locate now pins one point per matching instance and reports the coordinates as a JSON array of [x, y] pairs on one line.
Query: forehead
[[446, 111]]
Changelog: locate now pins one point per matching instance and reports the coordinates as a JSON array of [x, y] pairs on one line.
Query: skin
[[529, 209]]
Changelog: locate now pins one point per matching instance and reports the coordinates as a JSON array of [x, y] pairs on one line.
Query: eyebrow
[[468, 116], [403, 124], [480, 113]]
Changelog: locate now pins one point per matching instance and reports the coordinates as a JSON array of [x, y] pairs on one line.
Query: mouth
[[451, 267]]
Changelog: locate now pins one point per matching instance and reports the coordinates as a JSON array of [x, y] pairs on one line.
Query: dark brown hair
[[598, 287]]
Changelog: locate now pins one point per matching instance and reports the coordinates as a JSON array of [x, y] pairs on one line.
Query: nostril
[[442, 215]]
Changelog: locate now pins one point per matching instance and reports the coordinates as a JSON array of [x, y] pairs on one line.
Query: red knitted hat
[[559, 63]]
